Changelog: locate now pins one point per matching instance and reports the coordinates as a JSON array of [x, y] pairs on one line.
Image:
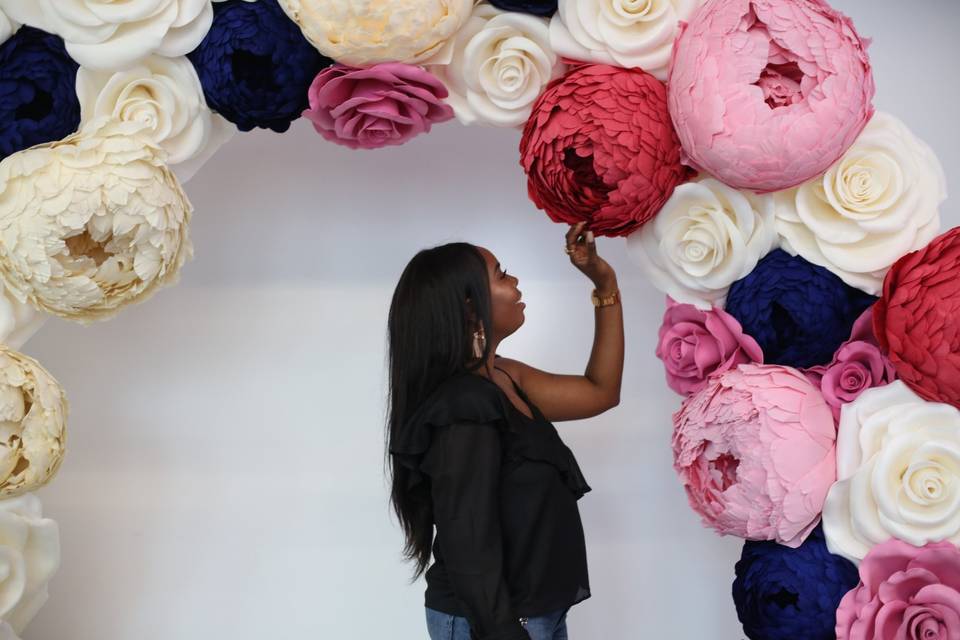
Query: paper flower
[[29, 557], [622, 33], [165, 95], [7, 632], [791, 594], [18, 320], [105, 34], [496, 66], [386, 104], [38, 102], [535, 7], [9, 27], [92, 223], [755, 451], [599, 147], [706, 237], [360, 33], [916, 319], [766, 94], [905, 593], [695, 344], [877, 203], [798, 312], [255, 66], [898, 469], [33, 415]]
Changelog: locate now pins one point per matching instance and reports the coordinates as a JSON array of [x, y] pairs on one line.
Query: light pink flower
[[766, 94], [694, 344], [755, 449], [905, 593]]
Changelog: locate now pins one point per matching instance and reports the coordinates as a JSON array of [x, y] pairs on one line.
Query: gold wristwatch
[[605, 301]]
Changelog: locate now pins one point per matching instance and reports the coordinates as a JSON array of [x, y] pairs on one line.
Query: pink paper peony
[[755, 449], [905, 593], [766, 94], [694, 344], [386, 104]]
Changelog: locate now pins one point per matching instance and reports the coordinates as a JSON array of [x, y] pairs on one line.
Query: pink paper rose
[[905, 593], [756, 451], [386, 104], [694, 344]]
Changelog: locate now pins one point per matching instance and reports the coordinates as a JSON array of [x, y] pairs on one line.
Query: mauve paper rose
[[916, 319], [905, 593], [766, 94], [755, 451], [386, 104], [898, 469], [694, 344], [599, 147], [623, 33], [877, 203]]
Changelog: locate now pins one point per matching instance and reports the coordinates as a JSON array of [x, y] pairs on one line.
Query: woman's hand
[[582, 249]]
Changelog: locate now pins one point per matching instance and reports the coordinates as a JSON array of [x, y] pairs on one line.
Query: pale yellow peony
[[91, 223]]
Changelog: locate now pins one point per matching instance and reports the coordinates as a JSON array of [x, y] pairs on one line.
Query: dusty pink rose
[[386, 104], [905, 593], [694, 344], [756, 451]]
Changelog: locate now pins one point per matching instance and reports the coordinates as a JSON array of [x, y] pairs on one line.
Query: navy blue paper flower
[[537, 8], [255, 65], [38, 91], [791, 594], [798, 312]]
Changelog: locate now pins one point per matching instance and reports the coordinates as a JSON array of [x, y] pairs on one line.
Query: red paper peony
[[916, 320], [599, 146]]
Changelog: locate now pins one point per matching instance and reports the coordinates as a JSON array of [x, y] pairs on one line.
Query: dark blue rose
[[537, 8], [38, 91], [791, 594], [255, 65], [798, 312]]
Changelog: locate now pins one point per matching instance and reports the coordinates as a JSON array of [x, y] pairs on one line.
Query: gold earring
[[479, 342]]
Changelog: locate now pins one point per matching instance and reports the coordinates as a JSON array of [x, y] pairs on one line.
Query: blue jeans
[[443, 626]]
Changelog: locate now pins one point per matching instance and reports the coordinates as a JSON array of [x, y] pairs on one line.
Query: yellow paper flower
[[91, 223], [33, 417], [364, 32]]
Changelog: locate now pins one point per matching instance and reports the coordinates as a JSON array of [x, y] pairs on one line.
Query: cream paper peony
[[33, 415], [91, 223], [624, 33], [29, 557], [496, 66], [898, 469], [706, 237], [360, 33], [165, 95], [877, 203], [18, 320], [106, 34]]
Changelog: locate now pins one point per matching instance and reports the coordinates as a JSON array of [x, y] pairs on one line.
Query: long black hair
[[442, 293]]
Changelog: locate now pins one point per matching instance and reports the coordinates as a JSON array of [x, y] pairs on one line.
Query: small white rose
[[877, 203], [7, 28], [29, 558], [19, 321], [706, 237]]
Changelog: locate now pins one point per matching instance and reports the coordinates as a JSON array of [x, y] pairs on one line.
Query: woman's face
[[504, 296]]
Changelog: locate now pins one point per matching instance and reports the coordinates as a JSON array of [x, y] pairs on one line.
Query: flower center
[[639, 10], [782, 80], [725, 470], [926, 482]]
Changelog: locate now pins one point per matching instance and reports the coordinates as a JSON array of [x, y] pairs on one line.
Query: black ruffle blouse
[[504, 489]]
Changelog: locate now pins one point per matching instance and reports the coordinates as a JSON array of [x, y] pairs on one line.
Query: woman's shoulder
[[465, 397]]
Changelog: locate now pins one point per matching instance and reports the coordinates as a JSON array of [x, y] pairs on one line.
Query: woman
[[473, 449]]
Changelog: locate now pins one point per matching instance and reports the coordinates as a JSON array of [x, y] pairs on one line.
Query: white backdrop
[[225, 469]]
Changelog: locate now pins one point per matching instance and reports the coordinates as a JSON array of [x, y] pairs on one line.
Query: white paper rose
[[363, 32], [7, 28], [706, 237], [165, 95], [106, 34], [496, 66], [29, 557], [19, 321], [623, 33], [877, 203], [898, 470], [91, 223], [7, 632]]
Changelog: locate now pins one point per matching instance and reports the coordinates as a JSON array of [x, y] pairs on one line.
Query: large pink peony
[[905, 593], [766, 94], [755, 449]]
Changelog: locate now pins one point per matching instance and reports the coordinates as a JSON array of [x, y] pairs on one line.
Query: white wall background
[[224, 476]]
